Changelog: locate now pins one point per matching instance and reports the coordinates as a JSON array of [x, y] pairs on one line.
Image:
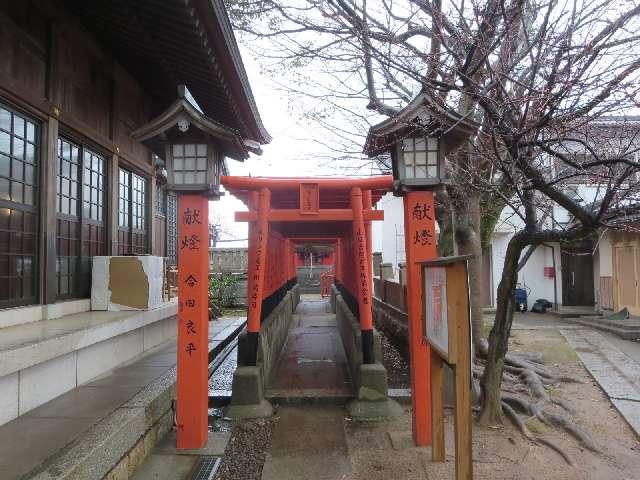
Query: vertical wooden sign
[[193, 321], [420, 245]]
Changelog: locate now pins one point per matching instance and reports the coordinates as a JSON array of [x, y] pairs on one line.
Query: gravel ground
[[246, 451], [396, 365]]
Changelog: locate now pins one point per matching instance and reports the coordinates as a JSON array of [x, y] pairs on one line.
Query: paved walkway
[[313, 363], [616, 373], [54, 425], [309, 441]]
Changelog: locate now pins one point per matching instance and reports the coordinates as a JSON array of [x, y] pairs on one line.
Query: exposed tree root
[[555, 447], [525, 374]]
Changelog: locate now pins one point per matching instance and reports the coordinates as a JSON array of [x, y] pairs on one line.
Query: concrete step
[[316, 396], [571, 314], [626, 332], [75, 436]]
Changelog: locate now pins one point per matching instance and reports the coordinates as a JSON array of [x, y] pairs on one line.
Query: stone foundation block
[[372, 402], [247, 400], [373, 382], [247, 386]]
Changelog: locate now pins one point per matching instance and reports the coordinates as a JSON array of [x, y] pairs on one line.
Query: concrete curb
[[616, 374], [103, 446]]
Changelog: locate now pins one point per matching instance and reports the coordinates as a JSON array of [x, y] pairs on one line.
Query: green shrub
[[223, 292]]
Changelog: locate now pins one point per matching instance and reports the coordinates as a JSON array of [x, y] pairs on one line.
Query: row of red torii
[[282, 213]]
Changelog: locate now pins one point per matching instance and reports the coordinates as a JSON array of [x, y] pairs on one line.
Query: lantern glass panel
[[408, 171], [190, 164], [419, 158]]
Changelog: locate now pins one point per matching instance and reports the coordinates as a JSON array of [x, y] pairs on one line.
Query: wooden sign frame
[[446, 309]]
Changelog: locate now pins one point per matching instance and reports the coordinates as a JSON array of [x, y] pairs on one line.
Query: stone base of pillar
[[372, 402], [248, 399]]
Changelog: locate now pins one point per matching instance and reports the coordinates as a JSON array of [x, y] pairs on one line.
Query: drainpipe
[[555, 276]]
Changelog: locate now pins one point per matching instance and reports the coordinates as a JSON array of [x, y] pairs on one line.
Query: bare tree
[[538, 77]]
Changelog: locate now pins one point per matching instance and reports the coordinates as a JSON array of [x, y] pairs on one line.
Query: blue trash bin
[[520, 298]]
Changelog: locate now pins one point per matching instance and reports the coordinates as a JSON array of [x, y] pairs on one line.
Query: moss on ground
[[536, 426]]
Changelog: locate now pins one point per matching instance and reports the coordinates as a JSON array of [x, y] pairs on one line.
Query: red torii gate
[[284, 211]]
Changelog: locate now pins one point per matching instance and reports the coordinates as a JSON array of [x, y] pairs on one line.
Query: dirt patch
[[246, 451], [385, 451]]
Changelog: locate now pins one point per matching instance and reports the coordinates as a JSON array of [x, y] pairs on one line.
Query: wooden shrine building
[[77, 78]]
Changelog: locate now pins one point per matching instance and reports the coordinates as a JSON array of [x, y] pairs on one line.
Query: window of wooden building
[[19, 142], [172, 228], [133, 236], [160, 224], [80, 223]]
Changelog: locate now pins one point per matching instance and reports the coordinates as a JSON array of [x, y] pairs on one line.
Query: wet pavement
[[313, 363]]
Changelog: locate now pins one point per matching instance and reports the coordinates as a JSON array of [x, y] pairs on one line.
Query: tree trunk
[[469, 243], [445, 222], [491, 412]]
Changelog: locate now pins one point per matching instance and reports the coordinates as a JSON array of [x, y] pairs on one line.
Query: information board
[[436, 314]]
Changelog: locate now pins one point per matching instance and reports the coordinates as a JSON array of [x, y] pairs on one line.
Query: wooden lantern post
[[420, 245], [192, 146], [193, 321]]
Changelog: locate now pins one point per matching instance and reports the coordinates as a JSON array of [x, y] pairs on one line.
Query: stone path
[[308, 443], [313, 364], [616, 373], [309, 440]]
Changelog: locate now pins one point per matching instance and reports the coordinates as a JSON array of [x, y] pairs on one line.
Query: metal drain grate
[[207, 468]]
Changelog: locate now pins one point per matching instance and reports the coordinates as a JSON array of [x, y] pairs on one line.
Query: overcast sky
[[291, 153]]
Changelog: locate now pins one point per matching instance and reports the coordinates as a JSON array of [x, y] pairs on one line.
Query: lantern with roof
[[417, 141], [192, 146]]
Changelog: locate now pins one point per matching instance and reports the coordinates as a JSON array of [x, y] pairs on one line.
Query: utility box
[[126, 283]]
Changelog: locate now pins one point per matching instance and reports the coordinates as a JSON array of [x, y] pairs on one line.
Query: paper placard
[[436, 320]]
